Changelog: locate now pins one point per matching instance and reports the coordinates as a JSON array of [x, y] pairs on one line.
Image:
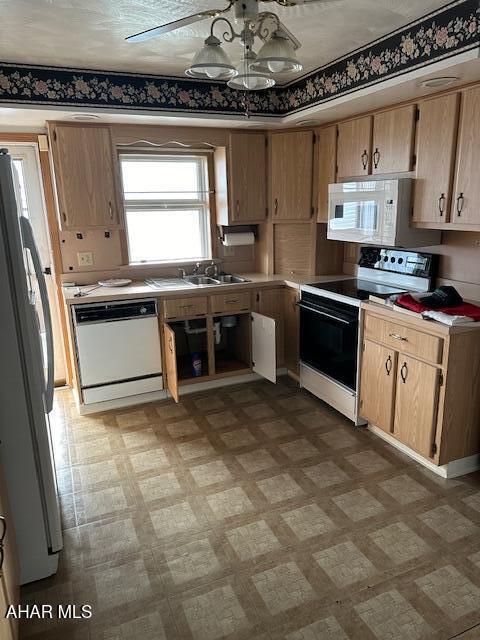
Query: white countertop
[[140, 289]]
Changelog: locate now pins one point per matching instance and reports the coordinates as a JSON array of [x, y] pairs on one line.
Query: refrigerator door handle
[[30, 244]]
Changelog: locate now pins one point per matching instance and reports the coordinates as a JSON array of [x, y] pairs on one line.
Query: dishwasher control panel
[[114, 311]]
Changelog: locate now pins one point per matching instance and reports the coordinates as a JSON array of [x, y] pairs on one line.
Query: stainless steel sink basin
[[229, 279], [198, 280]]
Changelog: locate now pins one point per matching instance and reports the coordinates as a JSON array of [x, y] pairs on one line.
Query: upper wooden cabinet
[[436, 139], [393, 134], [466, 192], [291, 175], [86, 176], [241, 177], [326, 168], [354, 147]]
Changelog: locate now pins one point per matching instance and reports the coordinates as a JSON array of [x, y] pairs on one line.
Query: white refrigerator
[[26, 390]]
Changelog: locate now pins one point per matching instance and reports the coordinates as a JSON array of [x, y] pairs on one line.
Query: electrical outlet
[[228, 251], [85, 258]]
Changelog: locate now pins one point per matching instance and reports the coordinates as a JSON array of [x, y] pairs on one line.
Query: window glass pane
[[161, 178], [162, 235]]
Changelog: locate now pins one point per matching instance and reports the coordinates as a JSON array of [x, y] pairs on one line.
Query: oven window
[[330, 345], [360, 215]]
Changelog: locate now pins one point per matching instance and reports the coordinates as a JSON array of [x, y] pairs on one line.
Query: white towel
[[445, 318]]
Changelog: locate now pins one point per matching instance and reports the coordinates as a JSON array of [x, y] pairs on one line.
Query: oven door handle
[[324, 313]]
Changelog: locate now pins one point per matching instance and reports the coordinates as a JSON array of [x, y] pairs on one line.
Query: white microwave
[[375, 212]]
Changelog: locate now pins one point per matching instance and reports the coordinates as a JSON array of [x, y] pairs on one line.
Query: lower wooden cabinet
[[292, 330], [269, 302], [217, 345], [421, 386], [378, 382]]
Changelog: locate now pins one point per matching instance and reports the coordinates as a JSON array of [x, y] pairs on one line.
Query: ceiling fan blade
[[169, 26]]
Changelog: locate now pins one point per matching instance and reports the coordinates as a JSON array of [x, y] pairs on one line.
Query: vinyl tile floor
[[254, 512]]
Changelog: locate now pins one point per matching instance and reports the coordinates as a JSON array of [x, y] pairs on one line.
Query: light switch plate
[[85, 258]]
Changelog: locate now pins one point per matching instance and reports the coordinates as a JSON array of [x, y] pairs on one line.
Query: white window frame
[[200, 203]]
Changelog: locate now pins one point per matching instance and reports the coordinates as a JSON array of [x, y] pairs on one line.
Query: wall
[[459, 261]]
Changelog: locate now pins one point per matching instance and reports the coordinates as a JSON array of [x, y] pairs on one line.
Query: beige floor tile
[[144, 627], [399, 542], [473, 501], [110, 540], [452, 592], [100, 503], [368, 462], [86, 476], [170, 411], [448, 523], [257, 460], [295, 403], [253, 540], [390, 617], [193, 560], [158, 487], [259, 411], [299, 449], [210, 473], [140, 438], [91, 449], [238, 438], [338, 438], [326, 474], [175, 519], [195, 449], [277, 429], [358, 504], [221, 419], [187, 427], [405, 489], [154, 459], [122, 585], [244, 396], [345, 564], [308, 521], [209, 403], [326, 629], [131, 419], [231, 502], [283, 587], [279, 488]]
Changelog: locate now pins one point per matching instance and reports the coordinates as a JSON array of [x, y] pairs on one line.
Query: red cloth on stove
[[465, 309]]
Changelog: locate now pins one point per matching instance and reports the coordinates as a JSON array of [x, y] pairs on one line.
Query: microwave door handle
[[30, 244], [323, 313]]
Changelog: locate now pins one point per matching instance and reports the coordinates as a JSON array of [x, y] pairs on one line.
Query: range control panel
[[412, 263]]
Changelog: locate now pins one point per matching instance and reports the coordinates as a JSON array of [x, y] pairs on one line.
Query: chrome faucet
[[208, 269], [182, 273], [196, 269]]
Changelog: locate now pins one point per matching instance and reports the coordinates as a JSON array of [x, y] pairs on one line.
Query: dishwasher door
[[118, 351]]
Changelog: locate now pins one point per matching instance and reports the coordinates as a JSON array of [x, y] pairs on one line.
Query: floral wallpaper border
[[441, 34]]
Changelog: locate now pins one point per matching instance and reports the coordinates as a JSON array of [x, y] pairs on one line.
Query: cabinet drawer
[[404, 339], [185, 307], [234, 302]]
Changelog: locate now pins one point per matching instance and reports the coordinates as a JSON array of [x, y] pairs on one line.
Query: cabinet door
[[292, 329], [170, 351], [416, 404], [264, 360], [291, 163], [9, 571], [354, 147], [377, 384], [466, 193], [85, 176], [436, 136], [392, 149], [327, 164], [269, 302], [247, 176]]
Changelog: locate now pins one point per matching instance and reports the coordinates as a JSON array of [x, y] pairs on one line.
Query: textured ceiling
[[90, 33]]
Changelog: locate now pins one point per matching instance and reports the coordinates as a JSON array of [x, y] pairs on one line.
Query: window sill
[[165, 265]]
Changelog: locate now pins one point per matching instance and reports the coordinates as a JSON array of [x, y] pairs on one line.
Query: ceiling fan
[[277, 54]]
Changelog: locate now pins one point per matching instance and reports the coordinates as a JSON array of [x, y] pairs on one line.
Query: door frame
[[40, 142]]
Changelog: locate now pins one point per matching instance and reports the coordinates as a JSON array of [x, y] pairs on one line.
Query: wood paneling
[[292, 248], [292, 329], [247, 177], [291, 173], [416, 405], [354, 145], [85, 176], [393, 135], [435, 150], [466, 193], [378, 381], [326, 163]]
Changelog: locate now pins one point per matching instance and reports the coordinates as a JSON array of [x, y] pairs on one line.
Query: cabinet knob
[[460, 203], [441, 204], [376, 158], [364, 159]]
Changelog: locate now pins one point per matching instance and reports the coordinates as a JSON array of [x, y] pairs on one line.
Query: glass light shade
[[277, 55], [249, 80], [211, 62]]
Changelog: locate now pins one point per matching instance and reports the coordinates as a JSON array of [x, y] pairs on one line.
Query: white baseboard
[[120, 403], [453, 469]]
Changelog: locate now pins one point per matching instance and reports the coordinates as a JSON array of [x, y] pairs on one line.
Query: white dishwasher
[[118, 349]]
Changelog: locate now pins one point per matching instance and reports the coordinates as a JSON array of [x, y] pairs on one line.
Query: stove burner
[[356, 288]]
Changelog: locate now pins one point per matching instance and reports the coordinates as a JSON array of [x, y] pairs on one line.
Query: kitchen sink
[[228, 279], [198, 280]]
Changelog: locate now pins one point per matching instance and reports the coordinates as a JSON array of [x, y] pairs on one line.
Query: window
[[166, 207]]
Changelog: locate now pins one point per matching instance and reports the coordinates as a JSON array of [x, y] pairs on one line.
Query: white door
[[264, 350], [31, 204]]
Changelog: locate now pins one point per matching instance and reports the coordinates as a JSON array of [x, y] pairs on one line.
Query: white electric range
[[330, 321]]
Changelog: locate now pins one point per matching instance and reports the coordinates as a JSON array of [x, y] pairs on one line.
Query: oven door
[[329, 338]]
